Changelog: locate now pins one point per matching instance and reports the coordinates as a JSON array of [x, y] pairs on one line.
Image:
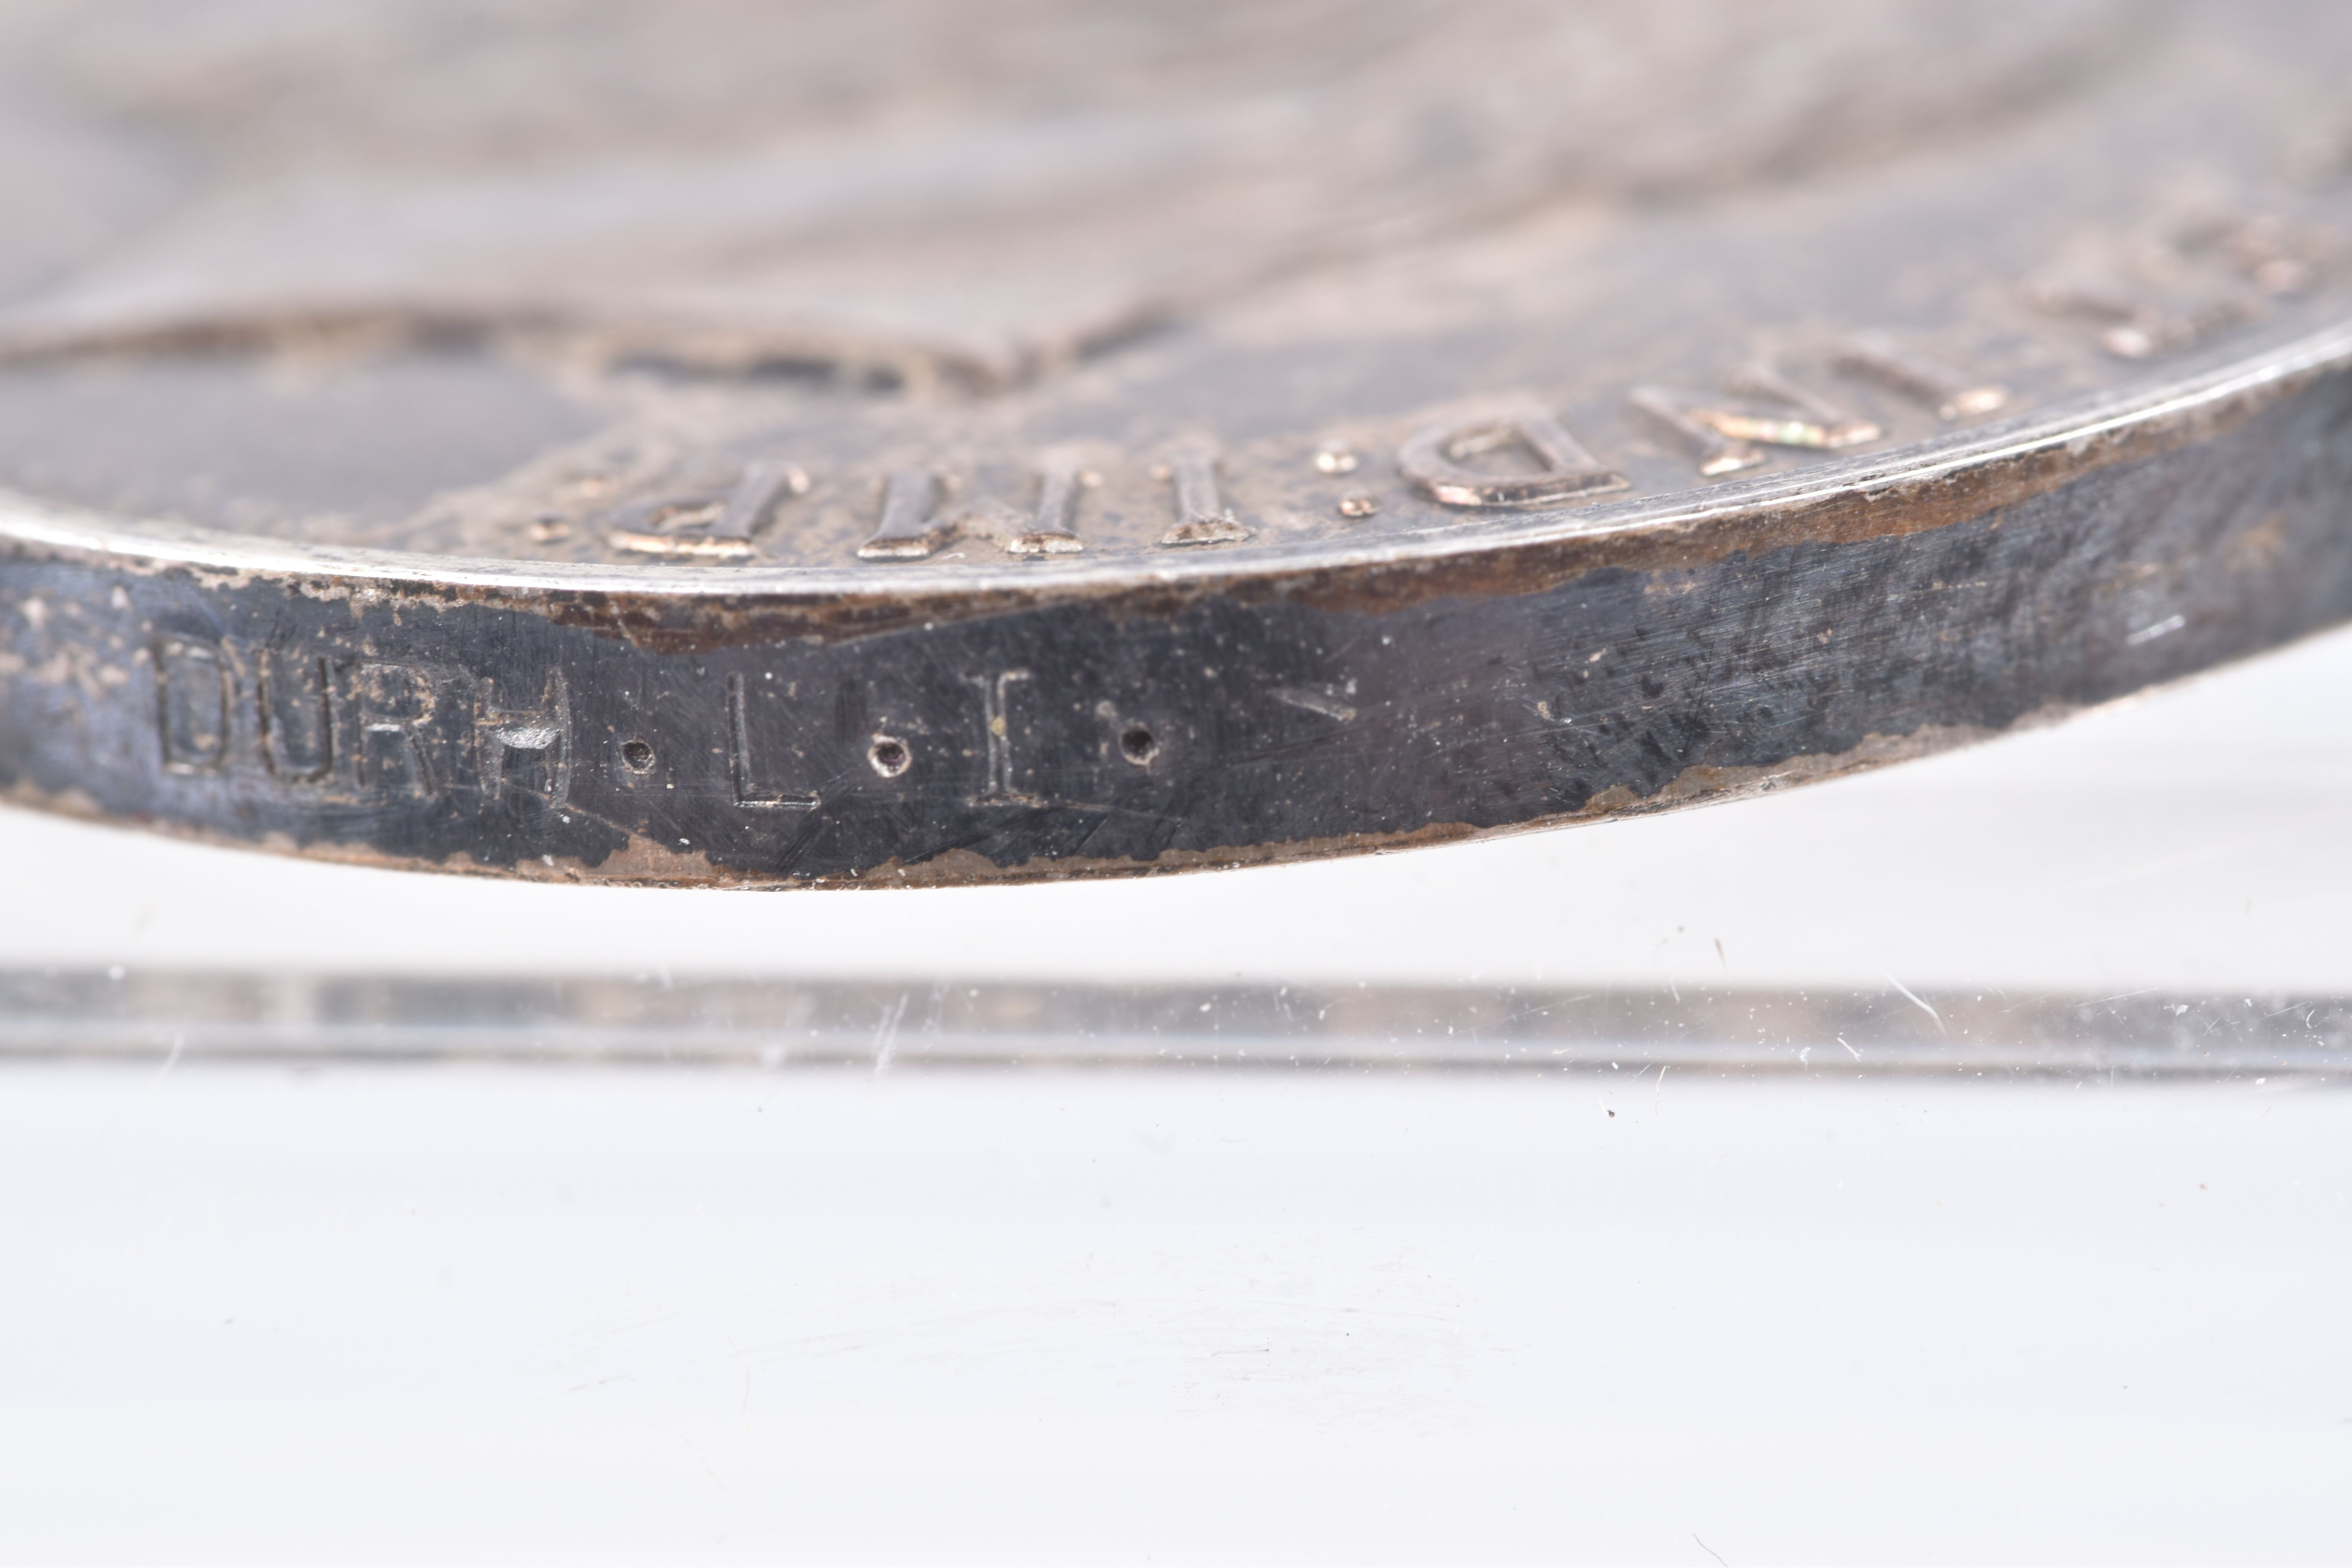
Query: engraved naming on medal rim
[[1269, 471]]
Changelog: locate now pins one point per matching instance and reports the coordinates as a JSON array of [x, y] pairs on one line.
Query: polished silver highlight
[[529, 752], [678, 530], [1331, 702]]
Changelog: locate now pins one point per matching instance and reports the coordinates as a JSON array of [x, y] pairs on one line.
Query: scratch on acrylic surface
[[705, 1464], [1849, 1050], [1657, 1087], [737, 1351], [146, 1090], [1914, 997], [886, 1034], [1710, 1550], [1511, 1018]]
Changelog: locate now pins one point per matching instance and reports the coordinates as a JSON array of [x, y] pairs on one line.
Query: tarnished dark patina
[[1550, 509]]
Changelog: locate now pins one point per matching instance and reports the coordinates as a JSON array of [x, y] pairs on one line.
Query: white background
[[367, 1313]]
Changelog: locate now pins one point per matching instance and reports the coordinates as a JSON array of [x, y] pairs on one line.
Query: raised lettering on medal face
[[709, 528], [766, 482], [2184, 284], [2136, 321], [1202, 515], [915, 523], [1050, 529], [1729, 433], [1435, 461], [907, 528], [1951, 391], [1101, 451], [1053, 530]]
